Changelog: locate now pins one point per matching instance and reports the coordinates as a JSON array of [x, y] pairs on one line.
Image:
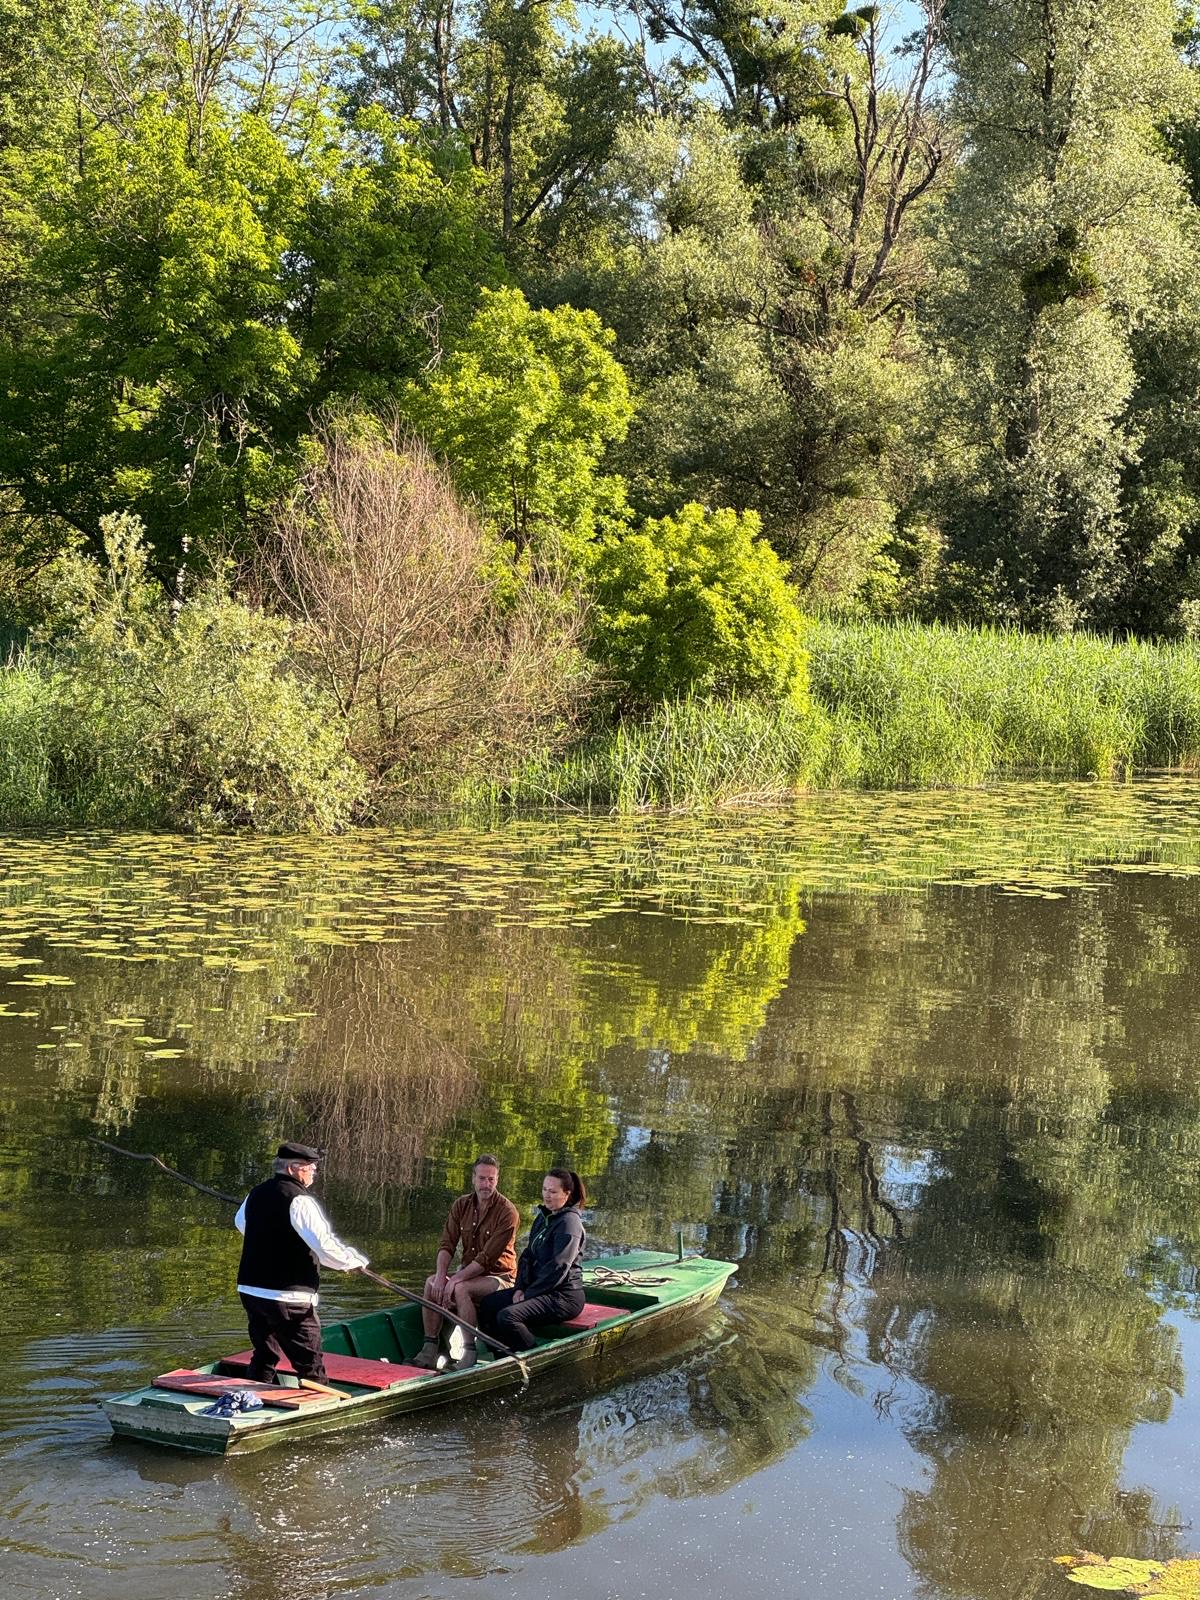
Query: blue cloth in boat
[[233, 1401]]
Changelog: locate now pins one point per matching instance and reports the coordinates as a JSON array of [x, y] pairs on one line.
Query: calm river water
[[926, 1067]]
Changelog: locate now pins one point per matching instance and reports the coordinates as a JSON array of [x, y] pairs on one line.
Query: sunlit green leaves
[[524, 410], [1125, 1575], [190, 302], [698, 602]]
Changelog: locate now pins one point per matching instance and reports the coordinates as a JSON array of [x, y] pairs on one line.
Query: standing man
[[287, 1241], [485, 1224]]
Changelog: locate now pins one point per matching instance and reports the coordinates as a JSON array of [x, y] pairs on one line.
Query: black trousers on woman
[[514, 1325]]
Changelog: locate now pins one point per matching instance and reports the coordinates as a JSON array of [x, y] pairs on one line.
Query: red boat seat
[[185, 1380], [592, 1314], [341, 1369]]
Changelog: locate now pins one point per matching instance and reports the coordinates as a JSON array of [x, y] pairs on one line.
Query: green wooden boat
[[368, 1361]]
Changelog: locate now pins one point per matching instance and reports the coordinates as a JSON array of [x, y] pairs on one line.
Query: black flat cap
[[291, 1151]]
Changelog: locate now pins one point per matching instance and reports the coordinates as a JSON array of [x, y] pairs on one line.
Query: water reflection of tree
[[468, 1034], [1034, 1351], [1033, 1066], [374, 1077], [1023, 1316]]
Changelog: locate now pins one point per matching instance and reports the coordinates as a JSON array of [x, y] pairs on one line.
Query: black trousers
[[514, 1325], [278, 1330]]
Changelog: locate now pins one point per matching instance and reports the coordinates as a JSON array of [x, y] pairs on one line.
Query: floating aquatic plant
[[1130, 1576]]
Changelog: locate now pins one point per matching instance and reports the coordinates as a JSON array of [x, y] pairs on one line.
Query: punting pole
[[386, 1283], [484, 1338]]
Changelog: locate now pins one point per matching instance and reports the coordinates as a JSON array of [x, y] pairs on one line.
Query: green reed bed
[[896, 705], [956, 705], [25, 746], [53, 766], [687, 753]]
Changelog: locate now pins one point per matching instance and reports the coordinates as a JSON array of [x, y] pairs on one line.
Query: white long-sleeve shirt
[[311, 1223]]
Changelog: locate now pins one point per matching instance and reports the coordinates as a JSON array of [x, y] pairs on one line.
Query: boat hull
[[154, 1417]]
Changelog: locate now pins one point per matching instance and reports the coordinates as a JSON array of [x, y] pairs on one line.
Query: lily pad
[[1131, 1576]]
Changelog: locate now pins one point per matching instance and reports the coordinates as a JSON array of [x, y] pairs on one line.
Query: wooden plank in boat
[[341, 1369], [187, 1381]]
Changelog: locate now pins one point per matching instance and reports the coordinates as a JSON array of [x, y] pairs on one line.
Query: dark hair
[[485, 1161], [571, 1182]]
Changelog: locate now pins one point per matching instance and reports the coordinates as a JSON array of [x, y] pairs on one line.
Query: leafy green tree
[[387, 263], [697, 602], [187, 304], [512, 83], [760, 262], [1157, 589], [151, 351], [524, 410], [1069, 236], [37, 41], [273, 59]]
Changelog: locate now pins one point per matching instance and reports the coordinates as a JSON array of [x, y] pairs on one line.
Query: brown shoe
[[430, 1356]]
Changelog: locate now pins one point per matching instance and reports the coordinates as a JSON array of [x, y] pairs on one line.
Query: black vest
[[274, 1256]]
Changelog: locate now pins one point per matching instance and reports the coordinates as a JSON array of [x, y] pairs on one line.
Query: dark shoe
[[430, 1356], [469, 1356]]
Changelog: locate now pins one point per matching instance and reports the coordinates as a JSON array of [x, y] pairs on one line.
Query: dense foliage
[[183, 717], [913, 321], [698, 603]]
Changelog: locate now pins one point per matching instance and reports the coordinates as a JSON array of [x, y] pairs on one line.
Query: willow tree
[[757, 247], [1070, 235]]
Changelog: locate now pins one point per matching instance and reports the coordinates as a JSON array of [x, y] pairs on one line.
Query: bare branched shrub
[[440, 654]]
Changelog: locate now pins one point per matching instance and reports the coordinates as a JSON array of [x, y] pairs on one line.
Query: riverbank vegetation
[[406, 408], [894, 705], [206, 720]]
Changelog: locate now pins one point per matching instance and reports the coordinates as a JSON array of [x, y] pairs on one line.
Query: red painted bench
[[593, 1314], [341, 1369]]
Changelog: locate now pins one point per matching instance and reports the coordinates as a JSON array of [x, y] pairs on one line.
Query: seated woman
[[549, 1282]]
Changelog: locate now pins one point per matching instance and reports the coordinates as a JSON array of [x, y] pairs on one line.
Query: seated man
[[485, 1224]]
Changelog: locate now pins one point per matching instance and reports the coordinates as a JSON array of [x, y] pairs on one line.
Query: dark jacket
[[553, 1257], [274, 1256]]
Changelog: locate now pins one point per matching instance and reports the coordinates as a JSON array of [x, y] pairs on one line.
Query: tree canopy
[[924, 303]]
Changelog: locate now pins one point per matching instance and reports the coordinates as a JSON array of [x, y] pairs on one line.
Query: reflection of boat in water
[[368, 1360]]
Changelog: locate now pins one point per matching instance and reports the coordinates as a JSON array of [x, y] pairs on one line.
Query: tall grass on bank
[[956, 705], [25, 744], [688, 753], [53, 769], [897, 705]]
